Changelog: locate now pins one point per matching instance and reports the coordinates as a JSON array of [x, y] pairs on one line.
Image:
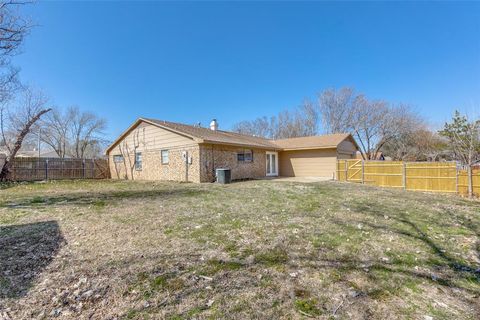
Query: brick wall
[[153, 169], [205, 159], [220, 156]]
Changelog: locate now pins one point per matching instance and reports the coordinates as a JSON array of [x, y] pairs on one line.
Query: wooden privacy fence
[[32, 169], [416, 176]]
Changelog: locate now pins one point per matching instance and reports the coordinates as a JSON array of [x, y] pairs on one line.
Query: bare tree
[[431, 146], [128, 152], [16, 122], [74, 133], [375, 124], [55, 131], [18, 117], [124, 149], [13, 29], [368, 121], [420, 144], [303, 121], [259, 127], [87, 131], [310, 118], [337, 107], [372, 123]]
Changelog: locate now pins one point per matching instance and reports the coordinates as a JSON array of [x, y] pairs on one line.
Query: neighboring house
[[32, 153], [160, 150], [476, 165], [21, 153], [51, 154]]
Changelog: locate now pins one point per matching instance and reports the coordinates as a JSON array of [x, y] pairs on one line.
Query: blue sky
[[191, 62]]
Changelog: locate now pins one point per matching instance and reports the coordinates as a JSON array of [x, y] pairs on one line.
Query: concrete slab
[[299, 179]]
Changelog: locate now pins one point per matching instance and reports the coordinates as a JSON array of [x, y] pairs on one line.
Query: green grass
[[255, 249], [214, 266], [273, 257], [308, 307]]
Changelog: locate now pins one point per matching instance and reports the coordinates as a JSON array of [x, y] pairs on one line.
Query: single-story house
[[31, 153], [161, 150]]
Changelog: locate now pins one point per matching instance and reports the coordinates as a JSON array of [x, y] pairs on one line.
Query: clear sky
[[191, 62]]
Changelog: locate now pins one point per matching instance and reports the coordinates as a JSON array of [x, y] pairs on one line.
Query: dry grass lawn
[[257, 249]]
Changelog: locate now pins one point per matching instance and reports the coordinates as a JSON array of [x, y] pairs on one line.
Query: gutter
[[239, 145], [308, 148]]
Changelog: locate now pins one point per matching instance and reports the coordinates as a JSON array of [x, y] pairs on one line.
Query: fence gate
[[354, 171]]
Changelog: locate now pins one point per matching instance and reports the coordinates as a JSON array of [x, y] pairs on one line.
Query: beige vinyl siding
[[308, 163], [149, 138]]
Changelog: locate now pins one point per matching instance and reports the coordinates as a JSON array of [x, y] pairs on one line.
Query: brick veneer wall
[[221, 156], [205, 159], [153, 169]]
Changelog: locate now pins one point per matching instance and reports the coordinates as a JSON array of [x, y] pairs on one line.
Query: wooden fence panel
[[383, 173], [463, 182], [431, 176], [22, 170], [476, 182], [34, 169], [415, 176], [341, 170]]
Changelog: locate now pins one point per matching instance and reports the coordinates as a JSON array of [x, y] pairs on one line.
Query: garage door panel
[[304, 163]]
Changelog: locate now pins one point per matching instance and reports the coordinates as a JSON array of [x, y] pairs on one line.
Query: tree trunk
[[470, 181], [18, 144]]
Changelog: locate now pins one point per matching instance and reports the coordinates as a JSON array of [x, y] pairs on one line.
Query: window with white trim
[[138, 161], [245, 155], [118, 158], [165, 156]]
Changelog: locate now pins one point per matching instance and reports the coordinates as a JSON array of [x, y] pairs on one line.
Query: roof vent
[[214, 125]]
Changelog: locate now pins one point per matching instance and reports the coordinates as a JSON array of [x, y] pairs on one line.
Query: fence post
[[346, 170], [46, 169], [363, 171], [13, 172], [93, 168], [83, 168], [404, 176]]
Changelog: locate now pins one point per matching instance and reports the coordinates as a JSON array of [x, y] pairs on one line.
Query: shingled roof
[[206, 135], [313, 142]]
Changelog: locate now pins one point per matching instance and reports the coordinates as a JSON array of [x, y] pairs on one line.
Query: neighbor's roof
[[205, 135], [313, 142], [31, 153]]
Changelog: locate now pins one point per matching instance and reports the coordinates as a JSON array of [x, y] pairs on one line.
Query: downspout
[[213, 163]]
